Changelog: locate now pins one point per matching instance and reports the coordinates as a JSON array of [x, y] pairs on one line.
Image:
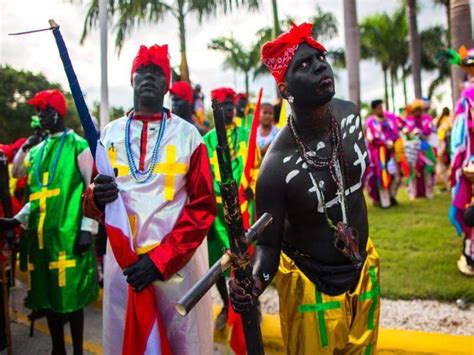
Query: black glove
[[8, 223], [142, 273], [248, 194], [30, 142], [241, 301], [105, 189], [83, 242]]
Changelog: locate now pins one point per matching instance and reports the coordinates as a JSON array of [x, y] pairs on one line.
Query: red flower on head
[[277, 54], [157, 55], [53, 98], [220, 94], [182, 89]]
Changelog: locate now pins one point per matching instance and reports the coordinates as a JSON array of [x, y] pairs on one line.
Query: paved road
[[40, 343]]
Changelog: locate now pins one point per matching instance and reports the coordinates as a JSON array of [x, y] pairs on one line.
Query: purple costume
[[382, 177], [423, 173]]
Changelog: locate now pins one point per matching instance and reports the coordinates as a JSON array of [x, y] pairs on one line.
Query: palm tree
[[376, 37], [238, 57], [276, 21], [128, 14], [433, 40], [352, 39], [447, 5], [415, 50], [461, 34]]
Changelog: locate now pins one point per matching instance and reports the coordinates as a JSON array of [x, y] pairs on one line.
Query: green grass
[[418, 250]]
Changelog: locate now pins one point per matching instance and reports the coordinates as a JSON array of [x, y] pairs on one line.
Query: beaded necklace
[[331, 162], [346, 238], [55, 161], [143, 176]]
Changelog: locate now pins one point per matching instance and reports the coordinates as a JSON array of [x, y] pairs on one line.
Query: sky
[[38, 53]]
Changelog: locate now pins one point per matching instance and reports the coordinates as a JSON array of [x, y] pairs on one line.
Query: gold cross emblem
[[42, 196], [122, 170], [170, 168], [62, 264]]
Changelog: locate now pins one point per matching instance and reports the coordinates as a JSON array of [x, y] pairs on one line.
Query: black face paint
[[181, 107], [310, 78], [229, 110], [149, 88], [50, 120], [240, 107]]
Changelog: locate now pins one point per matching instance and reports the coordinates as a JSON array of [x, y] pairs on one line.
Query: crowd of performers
[[311, 181]]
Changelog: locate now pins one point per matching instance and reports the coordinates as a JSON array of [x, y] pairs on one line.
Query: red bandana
[[182, 89], [220, 94], [53, 98], [277, 55], [157, 55], [239, 96]]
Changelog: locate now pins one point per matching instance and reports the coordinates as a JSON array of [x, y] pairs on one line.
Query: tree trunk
[[104, 86], [392, 84], [415, 51], [276, 20], [385, 85], [352, 40], [461, 34], [404, 78], [247, 83], [184, 75]]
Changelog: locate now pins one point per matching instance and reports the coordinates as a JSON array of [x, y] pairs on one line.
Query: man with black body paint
[[323, 289]]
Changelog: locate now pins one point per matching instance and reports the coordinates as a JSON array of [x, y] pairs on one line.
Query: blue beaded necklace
[[143, 176], [55, 162]]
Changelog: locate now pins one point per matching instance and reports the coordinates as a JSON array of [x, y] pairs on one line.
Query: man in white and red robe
[[163, 175]]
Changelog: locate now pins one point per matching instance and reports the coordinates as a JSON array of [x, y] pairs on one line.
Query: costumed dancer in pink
[[419, 130], [462, 165], [383, 178]]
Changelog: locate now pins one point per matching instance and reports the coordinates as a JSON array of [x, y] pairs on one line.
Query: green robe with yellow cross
[[237, 138], [59, 279]]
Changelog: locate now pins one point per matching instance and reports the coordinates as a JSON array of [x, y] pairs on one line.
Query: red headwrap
[[157, 55], [53, 98], [182, 89], [239, 96], [220, 94], [277, 54]]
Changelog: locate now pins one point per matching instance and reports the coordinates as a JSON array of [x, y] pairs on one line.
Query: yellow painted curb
[[391, 341]]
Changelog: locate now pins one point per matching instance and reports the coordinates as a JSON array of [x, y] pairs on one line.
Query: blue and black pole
[[81, 106]]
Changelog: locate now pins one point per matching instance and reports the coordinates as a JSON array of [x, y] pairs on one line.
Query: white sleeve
[[85, 162], [23, 216], [18, 166]]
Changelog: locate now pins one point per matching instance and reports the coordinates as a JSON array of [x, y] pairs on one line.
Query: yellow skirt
[[315, 323]]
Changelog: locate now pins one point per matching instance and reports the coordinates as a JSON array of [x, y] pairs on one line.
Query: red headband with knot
[[220, 94], [239, 96], [53, 98], [157, 55], [277, 54], [182, 89]]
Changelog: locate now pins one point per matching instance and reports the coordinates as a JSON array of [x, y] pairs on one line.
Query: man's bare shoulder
[[343, 108]]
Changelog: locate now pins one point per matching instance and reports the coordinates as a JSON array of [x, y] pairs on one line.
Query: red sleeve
[[89, 207], [177, 248]]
